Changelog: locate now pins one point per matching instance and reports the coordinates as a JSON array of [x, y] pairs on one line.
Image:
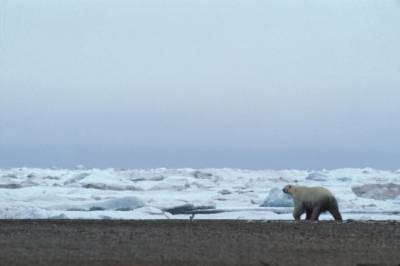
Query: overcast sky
[[178, 83]]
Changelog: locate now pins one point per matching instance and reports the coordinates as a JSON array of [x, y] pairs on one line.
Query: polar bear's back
[[312, 195]]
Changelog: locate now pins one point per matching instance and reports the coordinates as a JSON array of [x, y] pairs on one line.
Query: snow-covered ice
[[178, 193], [276, 198]]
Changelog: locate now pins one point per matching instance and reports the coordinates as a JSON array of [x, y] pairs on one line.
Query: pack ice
[[189, 193]]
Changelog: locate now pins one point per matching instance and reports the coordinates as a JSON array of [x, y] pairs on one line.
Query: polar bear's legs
[[308, 214], [297, 212], [315, 213], [334, 210]]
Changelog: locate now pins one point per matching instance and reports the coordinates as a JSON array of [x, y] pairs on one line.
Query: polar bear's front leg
[[297, 212]]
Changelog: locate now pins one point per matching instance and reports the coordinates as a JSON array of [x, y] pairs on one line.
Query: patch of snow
[[117, 204], [23, 213]]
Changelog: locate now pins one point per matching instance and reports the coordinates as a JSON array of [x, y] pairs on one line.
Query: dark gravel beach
[[218, 242]]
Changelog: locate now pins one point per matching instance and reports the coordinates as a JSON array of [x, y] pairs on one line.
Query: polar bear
[[312, 201]]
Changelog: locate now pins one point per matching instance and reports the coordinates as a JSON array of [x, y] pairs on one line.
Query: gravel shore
[[202, 242]]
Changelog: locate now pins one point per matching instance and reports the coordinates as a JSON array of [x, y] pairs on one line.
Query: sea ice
[[276, 198], [378, 191], [211, 193]]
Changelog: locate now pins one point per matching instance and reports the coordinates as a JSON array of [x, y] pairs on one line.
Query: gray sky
[[168, 83]]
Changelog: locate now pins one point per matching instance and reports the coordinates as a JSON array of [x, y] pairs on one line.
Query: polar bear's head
[[288, 189]]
